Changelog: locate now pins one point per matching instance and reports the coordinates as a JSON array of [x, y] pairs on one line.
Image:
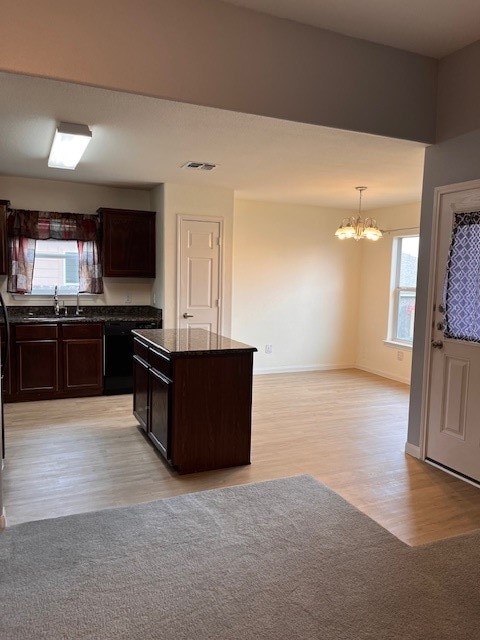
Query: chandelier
[[357, 227]]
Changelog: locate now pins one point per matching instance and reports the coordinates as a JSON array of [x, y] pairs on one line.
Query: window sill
[[397, 345]]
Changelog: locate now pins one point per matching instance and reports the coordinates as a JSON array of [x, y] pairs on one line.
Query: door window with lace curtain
[[462, 282]]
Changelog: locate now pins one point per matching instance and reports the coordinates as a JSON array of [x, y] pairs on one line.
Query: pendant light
[[357, 227]]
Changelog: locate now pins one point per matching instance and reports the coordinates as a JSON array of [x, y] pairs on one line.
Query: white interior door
[[453, 419], [199, 273]]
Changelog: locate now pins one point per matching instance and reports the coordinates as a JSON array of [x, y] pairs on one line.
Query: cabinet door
[[3, 236], [159, 433], [37, 367], [140, 391], [128, 243], [82, 366]]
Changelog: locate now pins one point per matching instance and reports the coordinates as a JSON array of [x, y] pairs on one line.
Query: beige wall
[[295, 286], [54, 195], [211, 53], [174, 199], [376, 258]]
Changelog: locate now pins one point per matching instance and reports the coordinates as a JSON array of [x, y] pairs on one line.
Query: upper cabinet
[[4, 204], [128, 243]]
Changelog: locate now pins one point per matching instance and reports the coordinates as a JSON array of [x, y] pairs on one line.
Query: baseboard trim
[[413, 450], [303, 368], [384, 374], [3, 520]]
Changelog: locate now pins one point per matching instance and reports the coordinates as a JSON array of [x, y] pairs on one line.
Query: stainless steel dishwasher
[[118, 354]]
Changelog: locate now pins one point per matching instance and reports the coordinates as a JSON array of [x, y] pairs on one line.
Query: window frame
[[396, 291]]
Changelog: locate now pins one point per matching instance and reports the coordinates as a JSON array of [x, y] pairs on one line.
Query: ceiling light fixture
[[69, 144], [357, 227]]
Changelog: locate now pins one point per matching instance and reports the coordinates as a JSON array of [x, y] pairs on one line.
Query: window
[[404, 281], [56, 263], [462, 285]]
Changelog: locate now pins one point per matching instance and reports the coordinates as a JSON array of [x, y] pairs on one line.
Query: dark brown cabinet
[[35, 361], [55, 361], [141, 385], [160, 403], [128, 243], [195, 407], [151, 397], [4, 204], [82, 359]]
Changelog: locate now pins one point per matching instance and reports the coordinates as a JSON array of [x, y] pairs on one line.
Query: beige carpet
[[281, 560]]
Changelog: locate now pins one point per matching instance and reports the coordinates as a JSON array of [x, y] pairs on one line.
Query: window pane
[[56, 263], [408, 262], [405, 316], [71, 268]]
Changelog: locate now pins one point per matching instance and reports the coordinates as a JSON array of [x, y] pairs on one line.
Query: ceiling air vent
[[202, 166]]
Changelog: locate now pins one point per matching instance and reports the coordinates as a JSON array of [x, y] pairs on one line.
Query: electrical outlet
[[400, 355], [268, 348], [128, 298]]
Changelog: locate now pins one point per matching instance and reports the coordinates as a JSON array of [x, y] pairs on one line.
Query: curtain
[[89, 267], [20, 264], [25, 227], [462, 284]]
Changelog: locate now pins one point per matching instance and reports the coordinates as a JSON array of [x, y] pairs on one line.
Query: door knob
[[187, 315], [437, 344]]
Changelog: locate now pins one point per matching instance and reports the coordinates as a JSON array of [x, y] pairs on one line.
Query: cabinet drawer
[[36, 332], [161, 363], [140, 349], [82, 330]]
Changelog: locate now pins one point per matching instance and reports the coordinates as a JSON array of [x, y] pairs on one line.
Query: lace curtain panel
[[24, 228], [462, 284]]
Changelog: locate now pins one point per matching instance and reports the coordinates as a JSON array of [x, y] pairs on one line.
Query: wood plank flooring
[[345, 428]]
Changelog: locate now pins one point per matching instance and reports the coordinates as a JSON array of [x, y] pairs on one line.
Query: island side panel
[[212, 411]]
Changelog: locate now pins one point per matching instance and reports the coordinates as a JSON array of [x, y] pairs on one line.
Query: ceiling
[[140, 142], [433, 28]]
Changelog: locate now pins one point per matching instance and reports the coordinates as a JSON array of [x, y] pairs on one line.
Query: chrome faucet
[[56, 306], [78, 311]]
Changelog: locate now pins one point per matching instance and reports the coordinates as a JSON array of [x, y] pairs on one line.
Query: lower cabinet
[[141, 376], [159, 411], [55, 361], [34, 361], [82, 354], [151, 398]]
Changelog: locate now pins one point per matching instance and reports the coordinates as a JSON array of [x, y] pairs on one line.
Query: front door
[[453, 423], [199, 273]]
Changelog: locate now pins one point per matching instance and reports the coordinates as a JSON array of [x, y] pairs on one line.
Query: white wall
[[73, 197], [295, 286], [372, 353], [170, 200]]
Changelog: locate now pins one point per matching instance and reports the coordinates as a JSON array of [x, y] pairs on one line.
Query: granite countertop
[[110, 313], [191, 341]]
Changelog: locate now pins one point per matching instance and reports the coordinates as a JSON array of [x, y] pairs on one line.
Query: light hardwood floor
[[345, 428]]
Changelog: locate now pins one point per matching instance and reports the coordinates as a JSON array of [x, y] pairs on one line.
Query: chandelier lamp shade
[[358, 227]]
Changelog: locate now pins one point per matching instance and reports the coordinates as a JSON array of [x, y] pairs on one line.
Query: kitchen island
[[193, 397]]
